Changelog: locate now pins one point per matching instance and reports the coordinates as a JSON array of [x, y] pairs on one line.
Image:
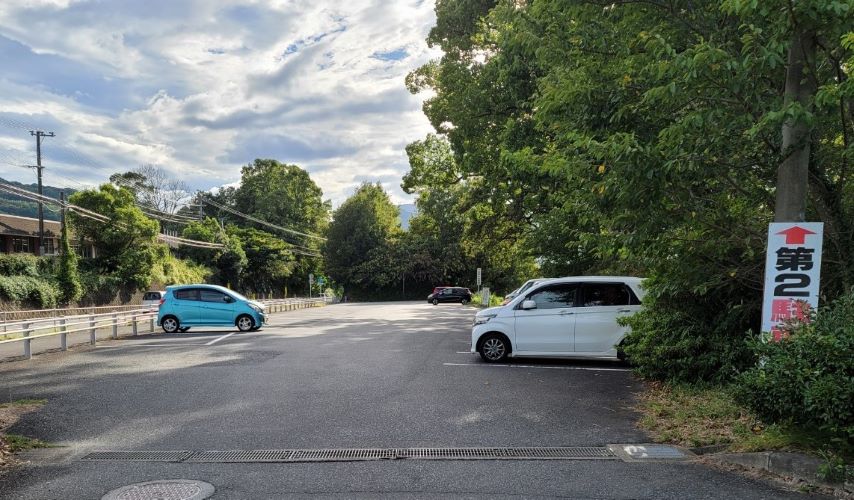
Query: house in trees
[[21, 235]]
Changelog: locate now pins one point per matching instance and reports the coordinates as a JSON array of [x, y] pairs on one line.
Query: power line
[[99, 217], [259, 221]]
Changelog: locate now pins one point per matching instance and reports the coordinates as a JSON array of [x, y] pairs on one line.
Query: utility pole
[[38, 134], [61, 213]]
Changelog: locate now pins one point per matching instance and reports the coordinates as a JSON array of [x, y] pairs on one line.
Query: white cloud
[[202, 87]]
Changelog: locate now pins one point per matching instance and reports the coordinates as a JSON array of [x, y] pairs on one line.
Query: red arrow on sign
[[795, 235]]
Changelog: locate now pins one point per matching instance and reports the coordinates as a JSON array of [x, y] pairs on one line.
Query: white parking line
[[214, 341], [464, 352], [147, 345], [588, 368]]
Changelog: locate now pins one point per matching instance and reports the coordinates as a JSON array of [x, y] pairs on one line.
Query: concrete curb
[[794, 465]]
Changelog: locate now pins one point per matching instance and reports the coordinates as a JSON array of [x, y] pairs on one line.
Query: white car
[[562, 317], [151, 300], [525, 286]]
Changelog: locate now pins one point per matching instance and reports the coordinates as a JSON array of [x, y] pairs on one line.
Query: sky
[[203, 87]]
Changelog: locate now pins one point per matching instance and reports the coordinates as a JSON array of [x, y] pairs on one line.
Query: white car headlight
[[257, 308], [479, 320]]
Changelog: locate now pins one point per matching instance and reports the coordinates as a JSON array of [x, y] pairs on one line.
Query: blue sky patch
[[391, 55]]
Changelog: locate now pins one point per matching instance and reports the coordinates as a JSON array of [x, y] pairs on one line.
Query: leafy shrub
[[174, 271], [29, 290], [689, 336], [98, 288], [494, 300], [808, 378], [19, 264]]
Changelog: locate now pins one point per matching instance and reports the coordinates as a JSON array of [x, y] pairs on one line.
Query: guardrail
[[59, 326], [24, 314], [91, 324], [279, 305]]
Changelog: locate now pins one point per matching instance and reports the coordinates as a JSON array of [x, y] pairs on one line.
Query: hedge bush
[[808, 378], [28, 290], [19, 264], [689, 337], [173, 271]]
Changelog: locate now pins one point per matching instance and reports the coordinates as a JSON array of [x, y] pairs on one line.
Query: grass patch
[[23, 402], [17, 443], [494, 300], [703, 416]]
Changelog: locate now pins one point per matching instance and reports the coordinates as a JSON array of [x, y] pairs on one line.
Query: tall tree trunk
[[792, 174]]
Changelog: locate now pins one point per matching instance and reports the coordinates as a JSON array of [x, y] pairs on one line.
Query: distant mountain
[[407, 211], [15, 205]]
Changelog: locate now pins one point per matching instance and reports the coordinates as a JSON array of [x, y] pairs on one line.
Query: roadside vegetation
[[644, 138], [570, 138], [12, 443]]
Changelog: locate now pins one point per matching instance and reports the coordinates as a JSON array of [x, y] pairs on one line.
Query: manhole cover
[[168, 489]]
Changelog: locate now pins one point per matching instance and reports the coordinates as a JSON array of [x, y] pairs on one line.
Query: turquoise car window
[[212, 296], [187, 294]]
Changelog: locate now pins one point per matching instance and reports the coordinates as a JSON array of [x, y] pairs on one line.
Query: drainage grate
[[359, 454], [236, 456], [578, 453], [141, 456], [342, 455]]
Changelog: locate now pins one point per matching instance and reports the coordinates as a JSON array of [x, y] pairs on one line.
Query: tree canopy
[[126, 243], [642, 138]]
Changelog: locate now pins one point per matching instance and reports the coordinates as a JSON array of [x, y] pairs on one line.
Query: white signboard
[[792, 270], [478, 276]]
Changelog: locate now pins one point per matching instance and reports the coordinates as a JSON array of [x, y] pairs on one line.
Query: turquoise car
[[186, 306]]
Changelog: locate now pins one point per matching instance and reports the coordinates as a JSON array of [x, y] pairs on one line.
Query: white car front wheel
[[494, 348]]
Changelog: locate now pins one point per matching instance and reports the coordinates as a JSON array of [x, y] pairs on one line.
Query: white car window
[[606, 294], [555, 296]]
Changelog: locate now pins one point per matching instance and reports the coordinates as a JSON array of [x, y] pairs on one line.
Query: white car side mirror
[[529, 304]]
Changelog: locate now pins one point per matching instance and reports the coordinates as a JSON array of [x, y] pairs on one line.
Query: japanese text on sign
[[792, 267]]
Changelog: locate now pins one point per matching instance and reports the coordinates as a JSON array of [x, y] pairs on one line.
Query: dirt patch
[[9, 414]]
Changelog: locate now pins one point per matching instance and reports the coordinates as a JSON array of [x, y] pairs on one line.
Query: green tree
[[269, 260], [126, 243], [359, 239], [284, 195], [645, 138], [229, 263], [68, 277]]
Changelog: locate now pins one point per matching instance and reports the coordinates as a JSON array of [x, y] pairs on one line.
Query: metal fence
[[33, 314], [30, 329]]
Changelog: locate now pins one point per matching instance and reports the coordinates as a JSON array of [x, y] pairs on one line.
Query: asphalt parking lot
[[394, 375]]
